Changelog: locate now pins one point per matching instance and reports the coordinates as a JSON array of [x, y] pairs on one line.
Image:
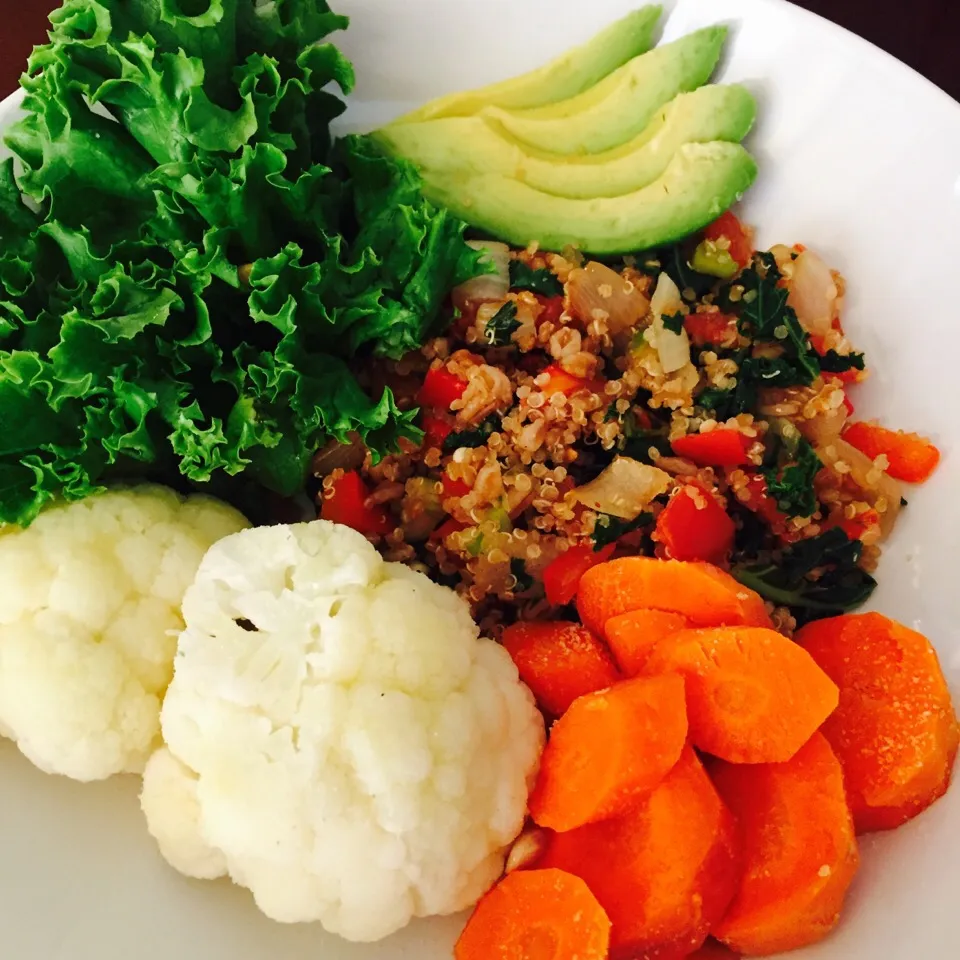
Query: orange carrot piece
[[632, 636], [800, 851], [559, 661], [912, 457], [753, 696], [752, 605], [895, 730], [632, 583], [536, 915], [607, 750], [665, 872]]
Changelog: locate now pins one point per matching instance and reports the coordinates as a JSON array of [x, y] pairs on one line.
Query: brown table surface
[[923, 33]]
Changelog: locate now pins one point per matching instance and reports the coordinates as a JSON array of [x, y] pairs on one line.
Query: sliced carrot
[[632, 636], [800, 852], [895, 730], [912, 457], [635, 583], [536, 915], [559, 661], [665, 872], [608, 749], [693, 526], [753, 696], [752, 605]]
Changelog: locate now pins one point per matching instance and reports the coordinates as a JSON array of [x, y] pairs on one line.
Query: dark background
[[923, 33]]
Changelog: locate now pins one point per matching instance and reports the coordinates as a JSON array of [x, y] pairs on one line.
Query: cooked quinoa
[[555, 420]]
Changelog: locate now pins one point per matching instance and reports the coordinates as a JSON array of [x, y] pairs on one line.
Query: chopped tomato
[[856, 527], [561, 577], [693, 526], [435, 430], [708, 329], [440, 388], [452, 525], [847, 405], [912, 457], [722, 447], [566, 383], [727, 225], [347, 504], [552, 308], [454, 488]]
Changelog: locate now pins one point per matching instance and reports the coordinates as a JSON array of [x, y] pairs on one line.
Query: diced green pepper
[[710, 259]]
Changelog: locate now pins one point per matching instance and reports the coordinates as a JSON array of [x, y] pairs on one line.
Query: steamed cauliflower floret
[[346, 743], [89, 617]]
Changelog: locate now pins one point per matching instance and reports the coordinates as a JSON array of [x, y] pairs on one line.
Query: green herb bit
[[608, 528], [542, 281], [475, 437], [673, 321], [791, 484], [833, 362], [501, 325]]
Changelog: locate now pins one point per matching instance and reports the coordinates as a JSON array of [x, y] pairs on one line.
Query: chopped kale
[[763, 314], [790, 474], [475, 437], [674, 262], [541, 281], [501, 325], [833, 362], [673, 322], [815, 578], [608, 528]]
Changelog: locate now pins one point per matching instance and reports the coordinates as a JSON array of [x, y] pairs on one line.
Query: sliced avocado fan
[[474, 145], [620, 106], [566, 76], [701, 182]]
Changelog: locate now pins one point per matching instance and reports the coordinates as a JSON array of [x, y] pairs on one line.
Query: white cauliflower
[[339, 735], [89, 618]]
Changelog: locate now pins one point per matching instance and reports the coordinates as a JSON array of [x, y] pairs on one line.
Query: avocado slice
[[620, 106], [477, 146], [702, 180], [565, 76]]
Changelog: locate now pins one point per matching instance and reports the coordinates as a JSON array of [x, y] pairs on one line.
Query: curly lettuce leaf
[[196, 264]]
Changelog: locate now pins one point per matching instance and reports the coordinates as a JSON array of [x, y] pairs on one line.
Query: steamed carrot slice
[[608, 749], [752, 605], [536, 915], [895, 730], [911, 457], [632, 636], [559, 661], [753, 696], [800, 851], [665, 871], [633, 583]]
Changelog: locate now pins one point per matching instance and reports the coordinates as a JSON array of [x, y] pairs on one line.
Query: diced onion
[[673, 348], [624, 489], [597, 287], [873, 483], [488, 286], [813, 293]]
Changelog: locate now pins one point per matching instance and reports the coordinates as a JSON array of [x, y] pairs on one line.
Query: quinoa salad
[[576, 409]]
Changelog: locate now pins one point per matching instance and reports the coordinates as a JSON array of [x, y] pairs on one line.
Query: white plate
[[861, 160]]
